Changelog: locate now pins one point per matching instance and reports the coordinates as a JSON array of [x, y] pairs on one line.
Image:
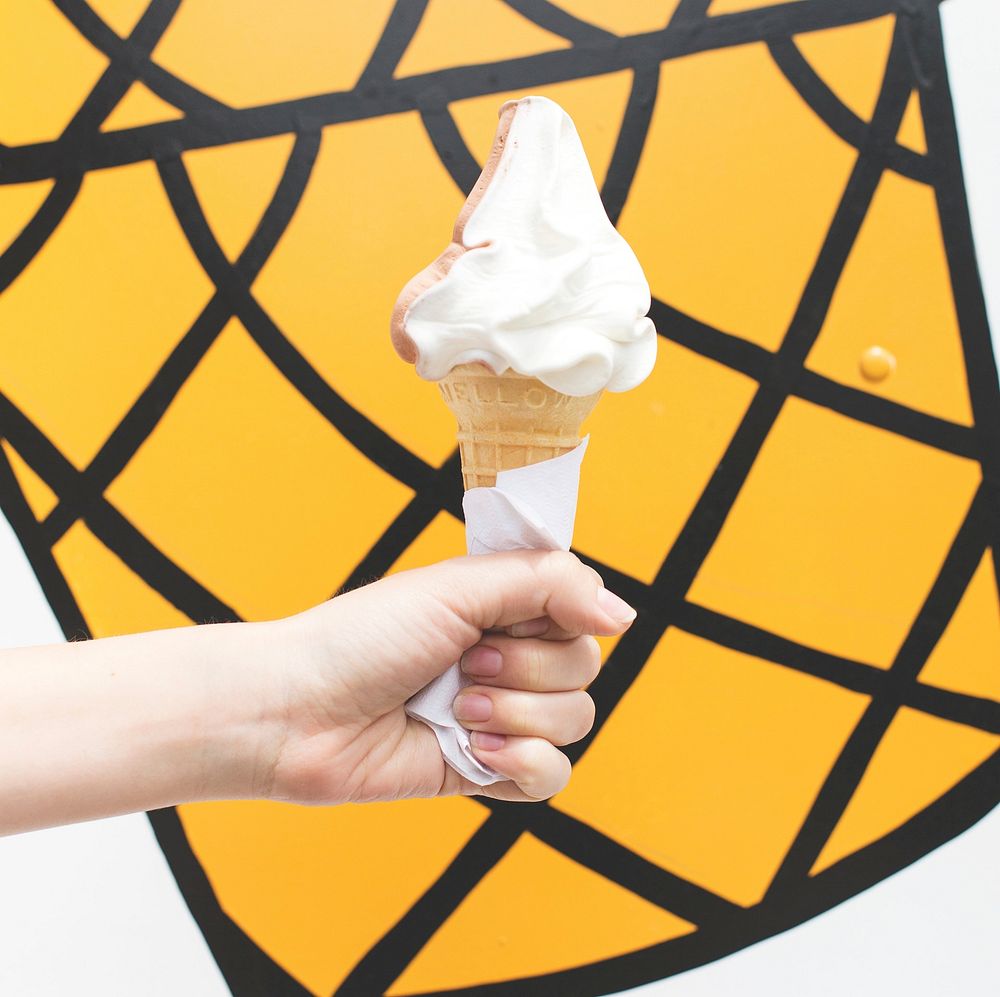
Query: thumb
[[498, 590]]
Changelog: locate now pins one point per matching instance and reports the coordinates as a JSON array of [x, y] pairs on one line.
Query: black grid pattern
[[916, 61]]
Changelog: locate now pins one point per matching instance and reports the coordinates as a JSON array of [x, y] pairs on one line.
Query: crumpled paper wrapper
[[529, 508]]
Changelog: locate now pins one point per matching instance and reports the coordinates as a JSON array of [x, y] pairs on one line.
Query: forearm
[[104, 727]]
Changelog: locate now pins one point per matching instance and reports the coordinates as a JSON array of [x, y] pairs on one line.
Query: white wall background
[[92, 910]]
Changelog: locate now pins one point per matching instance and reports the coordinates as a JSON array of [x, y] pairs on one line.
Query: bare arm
[[310, 709]]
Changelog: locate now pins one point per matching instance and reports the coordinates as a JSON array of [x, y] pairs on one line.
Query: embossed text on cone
[[509, 420]]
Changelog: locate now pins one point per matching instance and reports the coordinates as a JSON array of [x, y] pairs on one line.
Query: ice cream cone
[[509, 420]]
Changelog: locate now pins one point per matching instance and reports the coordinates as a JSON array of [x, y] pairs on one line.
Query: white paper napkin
[[529, 508]]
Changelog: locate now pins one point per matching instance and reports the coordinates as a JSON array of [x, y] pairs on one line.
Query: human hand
[[522, 625]]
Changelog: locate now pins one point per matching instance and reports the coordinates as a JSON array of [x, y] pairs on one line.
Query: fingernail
[[471, 706], [530, 628], [482, 660], [485, 741], [618, 609]]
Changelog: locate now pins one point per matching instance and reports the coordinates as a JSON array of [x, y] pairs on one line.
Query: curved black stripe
[[169, 138], [445, 495], [747, 639], [706, 520], [106, 523], [247, 969], [836, 115], [43, 563], [863, 406], [691, 10], [962, 708], [35, 234], [960, 251], [450, 147], [119, 75], [842, 781], [631, 139], [383, 963], [395, 39], [131, 55], [959, 707], [108, 90], [606, 857], [361, 432], [147, 410], [560, 22], [959, 808], [707, 341], [902, 420], [133, 549], [684, 953]]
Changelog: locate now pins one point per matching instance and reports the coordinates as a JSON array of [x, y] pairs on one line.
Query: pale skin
[[309, 709]]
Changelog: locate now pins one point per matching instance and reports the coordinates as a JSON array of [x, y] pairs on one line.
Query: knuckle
[[587, 712], [533, 663], [560, 564], [544, 770], [523, 715], [590, 652]]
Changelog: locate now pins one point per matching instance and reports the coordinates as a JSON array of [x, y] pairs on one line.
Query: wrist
[[242, 721]]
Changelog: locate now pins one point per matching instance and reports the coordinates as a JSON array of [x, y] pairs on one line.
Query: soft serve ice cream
[[537, 280], [536, 308]]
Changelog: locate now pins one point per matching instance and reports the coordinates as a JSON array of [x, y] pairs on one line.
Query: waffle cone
[[509, 420]]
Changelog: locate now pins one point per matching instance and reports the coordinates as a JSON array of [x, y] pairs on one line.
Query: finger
[[532, 664], [536, 768], [559, 717], [499, 590], [542, 627]]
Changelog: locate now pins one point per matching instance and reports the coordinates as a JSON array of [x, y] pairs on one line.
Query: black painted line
[[387, 959], [131, 56], [109, 526], [116, 78], [836, 115], [150, 406], [54, 586], [106, 93], [635, 592], [35, 234], [247, 969], [732, 351], [689, 551], [900, 420], [847, 772], [360, 431], [631, 138], [445, 495], [621, 669], [862, 406], [44, 159], [972, 711], [922, 28], [956, 227], [605, 856], [959, 808], [703, 526], [745, 638], [175, 584], [691, 10], [695, 944], [450, 146], [395, 39], [560, 22], [961, 708]]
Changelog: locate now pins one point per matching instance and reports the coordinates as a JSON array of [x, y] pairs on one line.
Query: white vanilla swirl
[[546, 287]]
